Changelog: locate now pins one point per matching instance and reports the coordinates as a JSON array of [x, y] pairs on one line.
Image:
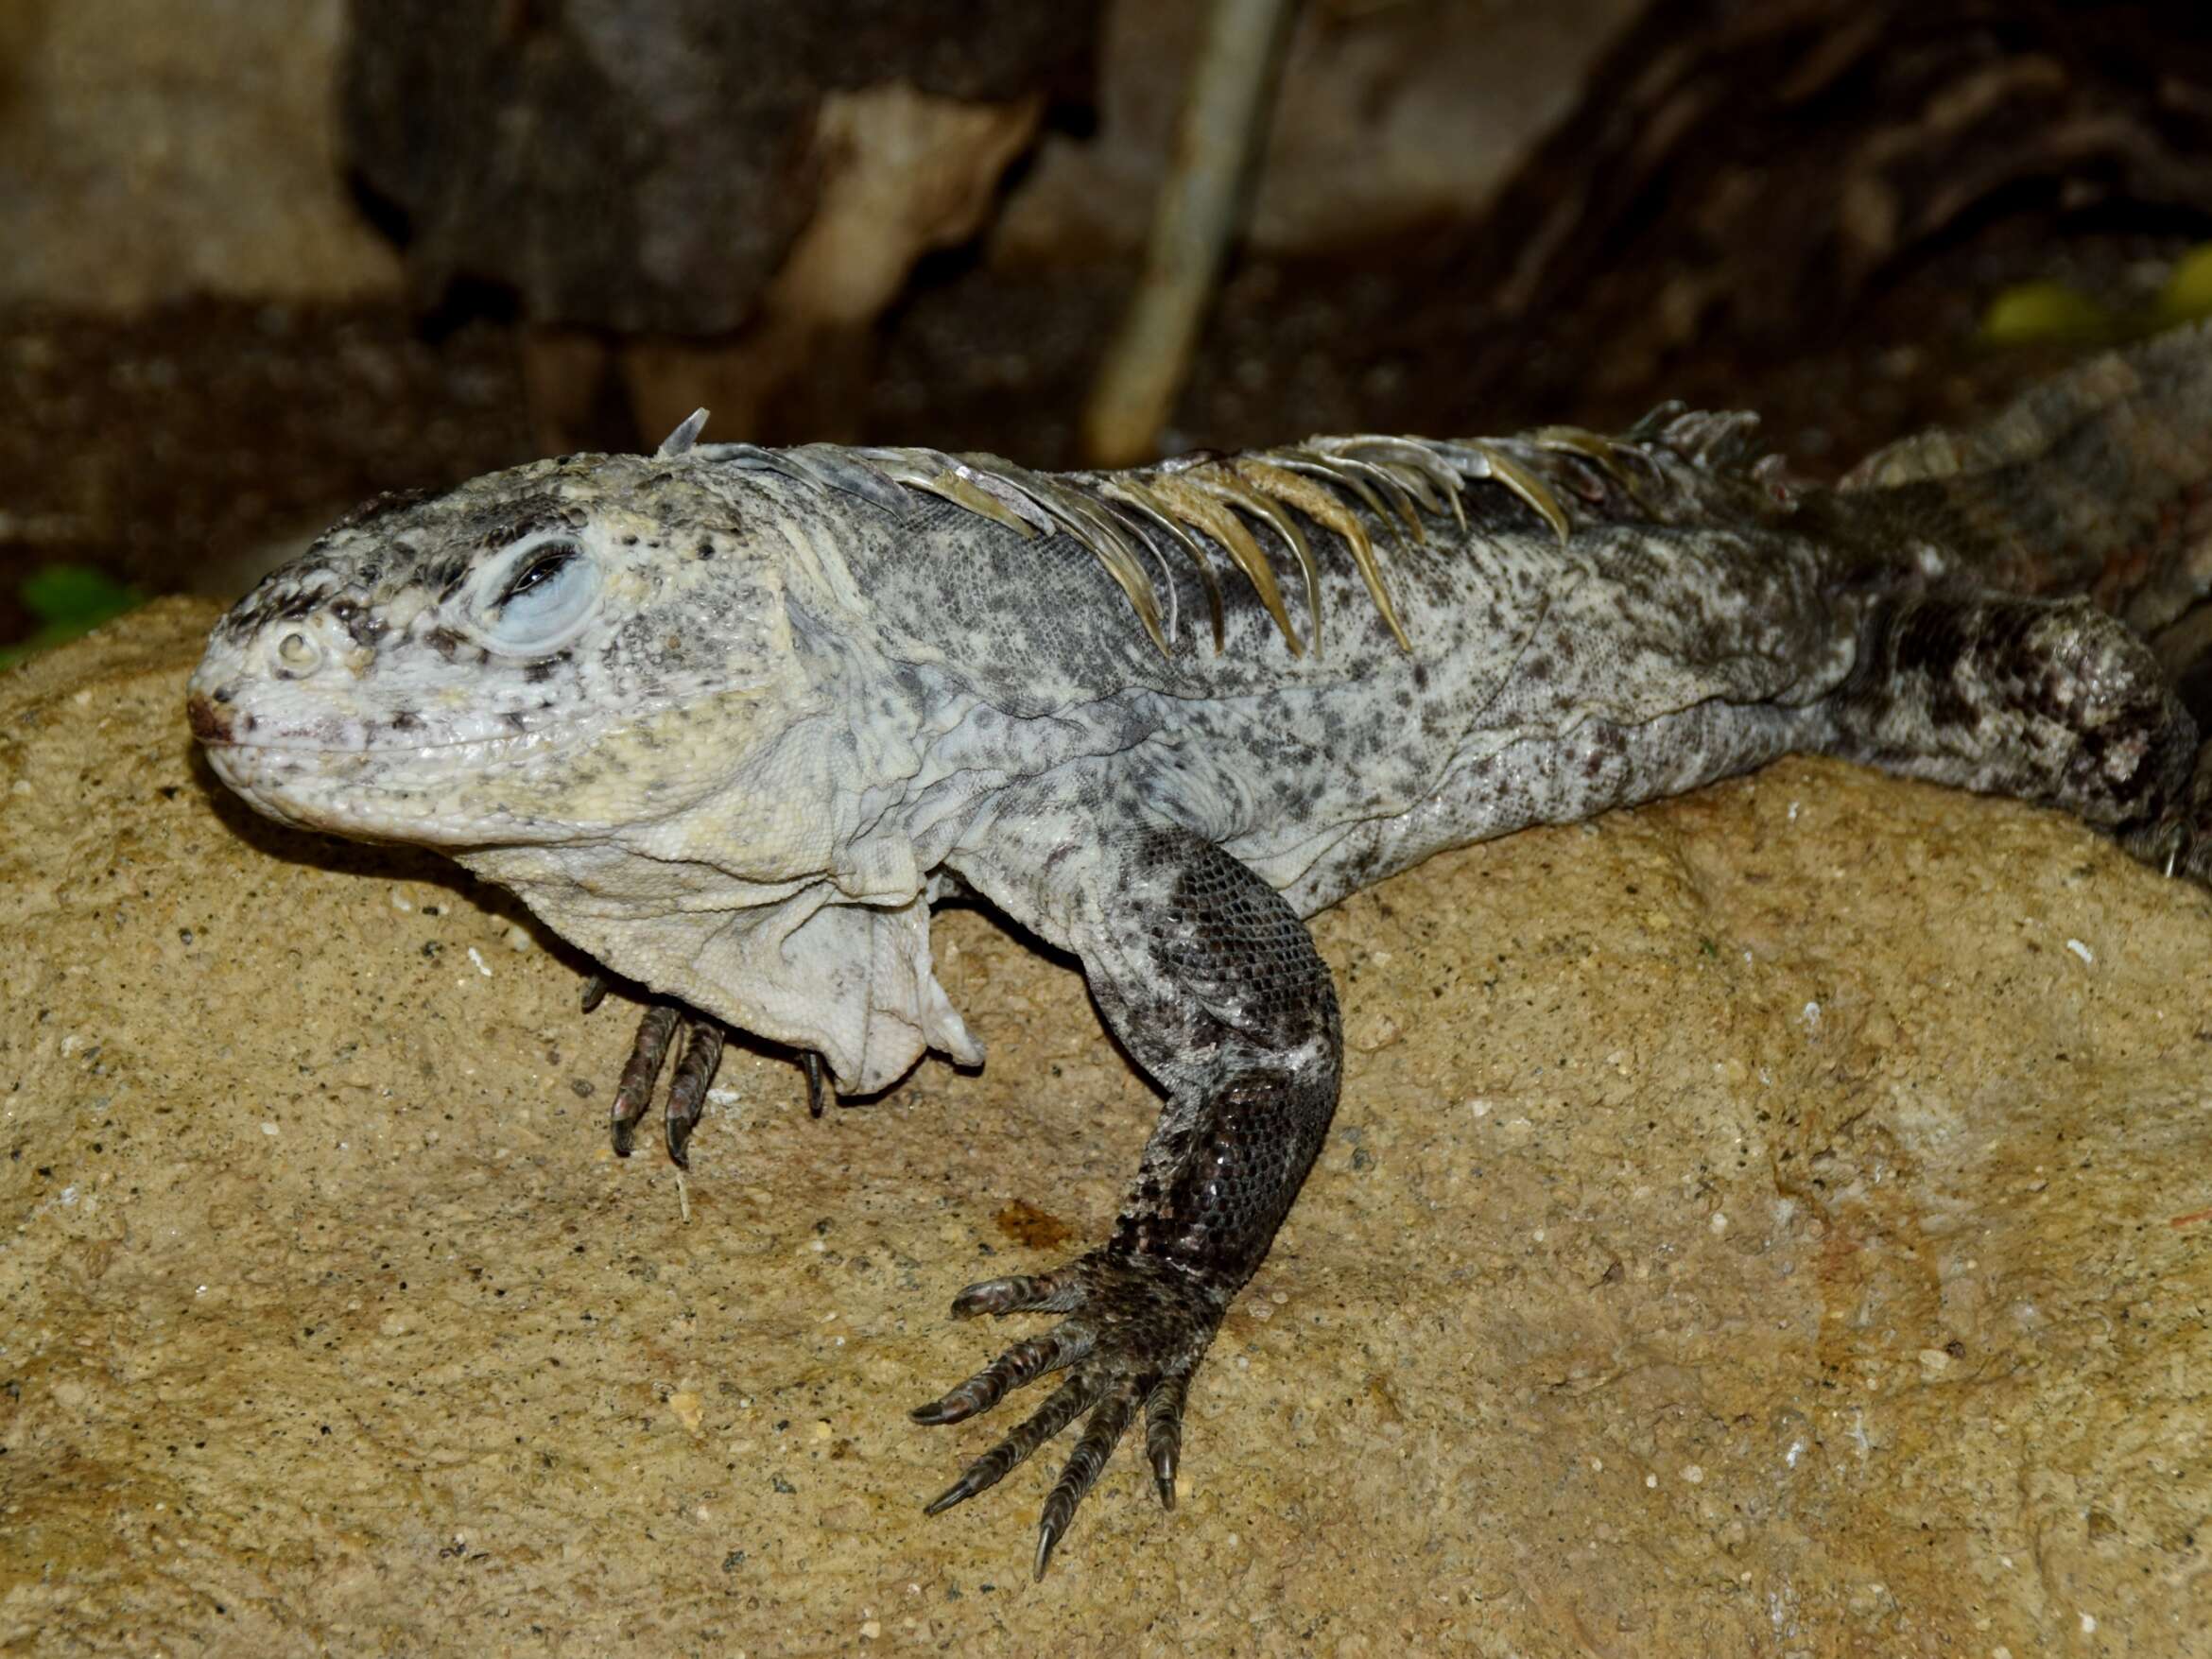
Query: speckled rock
[[1775, 1222]]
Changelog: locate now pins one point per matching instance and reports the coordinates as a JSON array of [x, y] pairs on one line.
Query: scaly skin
[[730, 719]]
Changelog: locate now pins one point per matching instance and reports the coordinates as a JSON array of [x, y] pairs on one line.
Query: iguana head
[[618, 685], [537, 656]]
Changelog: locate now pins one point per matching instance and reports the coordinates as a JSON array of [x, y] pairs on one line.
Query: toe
[[1100, 1435], [1039, 1294], [687, 1087], [1164, 1434], [634, 1092], [1023, 1362], [1068, 1402]]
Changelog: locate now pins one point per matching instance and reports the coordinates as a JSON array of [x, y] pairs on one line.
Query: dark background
[[258, 261]]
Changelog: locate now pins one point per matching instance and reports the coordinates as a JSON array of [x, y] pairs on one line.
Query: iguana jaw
[[587, 780], [349, 789]]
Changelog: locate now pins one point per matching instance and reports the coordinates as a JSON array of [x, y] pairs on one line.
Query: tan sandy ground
[[1769, 1222]]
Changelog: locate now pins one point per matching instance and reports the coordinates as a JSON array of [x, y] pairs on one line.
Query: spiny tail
[[2098, 481]]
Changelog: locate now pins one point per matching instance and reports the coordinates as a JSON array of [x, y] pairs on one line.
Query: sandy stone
[[427, 1370]]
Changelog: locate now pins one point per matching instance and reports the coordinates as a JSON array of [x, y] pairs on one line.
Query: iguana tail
[[2098, 481]]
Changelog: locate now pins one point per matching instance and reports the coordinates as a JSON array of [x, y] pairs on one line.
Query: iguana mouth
[[368, 793], [219, 724]]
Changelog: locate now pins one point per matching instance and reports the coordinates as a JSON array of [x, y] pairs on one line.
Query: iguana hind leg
[[1214, 987], [2051, 700]]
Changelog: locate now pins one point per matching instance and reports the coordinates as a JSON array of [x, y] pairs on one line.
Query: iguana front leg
[[1213, 985], [704, 1039]]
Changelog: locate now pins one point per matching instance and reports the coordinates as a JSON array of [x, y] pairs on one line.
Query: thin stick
[[1224, 118]]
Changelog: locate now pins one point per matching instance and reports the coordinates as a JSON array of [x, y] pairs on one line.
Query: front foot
[[704, 1041], [1135, 1330], [687, 1088]]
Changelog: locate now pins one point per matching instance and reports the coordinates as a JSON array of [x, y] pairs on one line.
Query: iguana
[[730, 719]]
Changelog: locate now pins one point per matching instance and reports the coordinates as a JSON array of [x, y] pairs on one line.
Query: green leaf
[[2028, 313], [68, 601], [2187, 294]]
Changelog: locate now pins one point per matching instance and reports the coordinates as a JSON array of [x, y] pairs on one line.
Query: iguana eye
[[540, 567], [536, 598]]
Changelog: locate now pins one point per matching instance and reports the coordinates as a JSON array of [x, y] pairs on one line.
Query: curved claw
[[1085, 1465], [1068, 1402], [1164, 1434]]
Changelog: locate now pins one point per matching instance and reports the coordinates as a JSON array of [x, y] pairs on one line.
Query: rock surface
[[1774, 1221]]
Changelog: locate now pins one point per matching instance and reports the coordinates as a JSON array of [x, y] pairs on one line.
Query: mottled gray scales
[[2050, 701], [732, 720]]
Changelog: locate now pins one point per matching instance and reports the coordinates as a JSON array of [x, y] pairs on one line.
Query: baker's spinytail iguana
[[731, 719]]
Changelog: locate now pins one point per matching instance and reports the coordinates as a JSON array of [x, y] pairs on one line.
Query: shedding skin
[[731, 720]]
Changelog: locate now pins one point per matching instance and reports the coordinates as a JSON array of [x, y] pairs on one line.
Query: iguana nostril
[[298, 653]]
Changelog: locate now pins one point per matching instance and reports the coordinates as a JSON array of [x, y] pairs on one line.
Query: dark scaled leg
[[1213, 984], [2050, 700]]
